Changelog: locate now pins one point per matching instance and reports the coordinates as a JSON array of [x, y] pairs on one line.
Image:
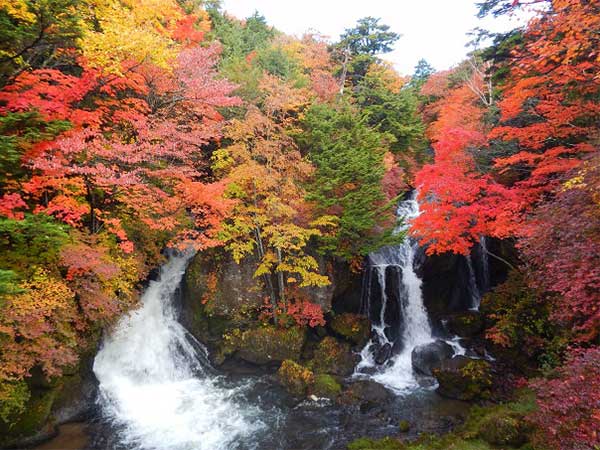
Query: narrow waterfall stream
[[414, 328], [156, 385], [474, 291]]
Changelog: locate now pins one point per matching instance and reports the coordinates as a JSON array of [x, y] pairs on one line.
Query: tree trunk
[[280, 281], [344, 70]]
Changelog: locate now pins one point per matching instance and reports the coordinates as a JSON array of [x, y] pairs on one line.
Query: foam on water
[[156, 384]]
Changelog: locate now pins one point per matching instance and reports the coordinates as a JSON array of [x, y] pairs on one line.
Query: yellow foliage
[[135, 31], [43, 296], [17, 9], [384, 71]]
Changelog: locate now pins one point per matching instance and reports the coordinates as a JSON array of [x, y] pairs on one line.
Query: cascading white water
[[415, 326], [154, 379], [473, 287]]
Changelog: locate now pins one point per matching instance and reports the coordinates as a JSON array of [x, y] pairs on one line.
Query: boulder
[[269, 345], [296, 379], [326, 386], [383, 354], [367, 394], [463, 378], [427, 357], [465, 324], [333, 357], [352, 327]]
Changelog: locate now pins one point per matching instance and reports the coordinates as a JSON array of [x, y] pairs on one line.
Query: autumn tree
[[265, 172], [560, 248]]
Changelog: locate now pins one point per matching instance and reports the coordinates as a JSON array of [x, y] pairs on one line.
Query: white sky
[[431, 29]]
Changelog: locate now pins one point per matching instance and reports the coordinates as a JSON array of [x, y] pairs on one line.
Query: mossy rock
[[32, 422], [386, 443], [296, 379], [352, 327], [269, 345], [503, 429], [464, 378], [404, 426], [466, 324], [503, 424], [333, 357], [326, 386]]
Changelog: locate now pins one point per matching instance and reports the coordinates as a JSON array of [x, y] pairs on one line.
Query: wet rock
[[383, 354], [464, 378], [333, 357], [466, 324], [268, 345], [367, 391], [296, 379], [352, 327], [427, 357]]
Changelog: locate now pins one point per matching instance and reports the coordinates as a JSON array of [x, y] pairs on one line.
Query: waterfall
[[413, 322], [479, 285], [485, 265], [473, 287], [156, 385]]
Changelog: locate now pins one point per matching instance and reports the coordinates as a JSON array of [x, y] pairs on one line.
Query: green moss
[[386, 443], [352, 327], [404, 426], [13, 397], [326, 386], [333, 357], [469, 382], [34, 417], [502, 424], [448, 442]]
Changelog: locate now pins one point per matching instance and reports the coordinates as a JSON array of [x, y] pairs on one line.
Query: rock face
[[427, 357], [463, 378], [216, 292], [220, 296], [446, 278], [53, 402], [333, 357]]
